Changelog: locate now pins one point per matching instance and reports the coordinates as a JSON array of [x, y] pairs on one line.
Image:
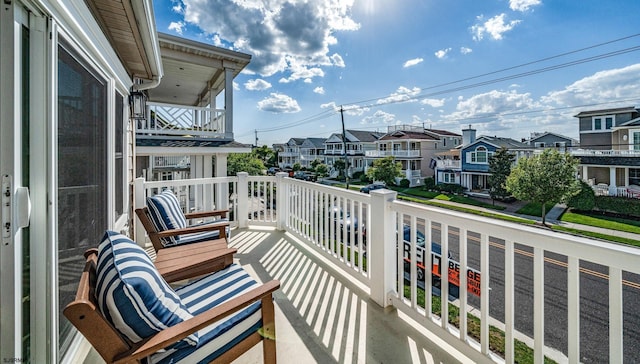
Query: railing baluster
[[444, 275], [538, 305], [462, 289], [573, 309], [509, 300], [615, 315], [484, 294], [414, 260]]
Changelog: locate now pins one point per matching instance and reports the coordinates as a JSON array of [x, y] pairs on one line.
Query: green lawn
[[607, 222], [534, 209], [616, 239], [468, 201]]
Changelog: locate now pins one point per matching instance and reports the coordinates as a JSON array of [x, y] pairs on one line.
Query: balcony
[[448, 164], [605, 153], [393, 153], [180, 120], [289, 154], [562, 295]]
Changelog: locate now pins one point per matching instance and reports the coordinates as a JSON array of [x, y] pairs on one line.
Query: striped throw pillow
[[166, 214], [132, 295]]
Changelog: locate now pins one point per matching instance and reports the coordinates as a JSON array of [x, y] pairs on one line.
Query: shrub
[[618, 205], [429, 183], [451, 188], [357, 175], [585, 200], [364, 178], [404, 183]]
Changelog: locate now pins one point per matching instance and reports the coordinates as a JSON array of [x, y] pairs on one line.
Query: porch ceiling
[[193, 69], [117, 19]]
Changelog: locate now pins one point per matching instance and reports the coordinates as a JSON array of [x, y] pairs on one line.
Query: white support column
[[196, 172], [150, 169], [281, 200], [613, 189], [585, 173], [228, 102], [626, 176], [243, 199], [222, 189], [139, 197], [207, 194], [383, 248]]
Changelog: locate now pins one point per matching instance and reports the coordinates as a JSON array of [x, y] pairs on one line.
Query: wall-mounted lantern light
[[138, 103]]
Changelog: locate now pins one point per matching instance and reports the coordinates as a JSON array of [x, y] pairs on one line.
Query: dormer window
[[479, 156]]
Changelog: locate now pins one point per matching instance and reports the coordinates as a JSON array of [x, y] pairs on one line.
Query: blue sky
[[507, 67]]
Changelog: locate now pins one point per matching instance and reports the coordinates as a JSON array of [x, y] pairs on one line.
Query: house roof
[[632, 122], [554, 134], [314, 142], [500, 142], [296, 141], [443, 132], [606, 111], [408, 135], [363, 135]]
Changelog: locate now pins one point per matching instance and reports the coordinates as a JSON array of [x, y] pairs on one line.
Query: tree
[[316, 162], [386, 170], [244, 162], [585, 200], [499, 168], [549, 177], [340, 165], [322, 170], [265, 154], [296, 167]]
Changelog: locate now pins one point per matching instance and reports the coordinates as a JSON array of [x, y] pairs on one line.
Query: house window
[[383, 147], [608, 122], [449, 177], [597, 122], [634, 176], [81, 171], [539, 144], [481, 155], [635, 139]]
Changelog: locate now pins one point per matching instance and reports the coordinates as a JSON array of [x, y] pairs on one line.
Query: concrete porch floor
[[323, 316]]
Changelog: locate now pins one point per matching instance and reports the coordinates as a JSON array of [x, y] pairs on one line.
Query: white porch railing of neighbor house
[[394, 153], [605, 153], [171, 161], [376, 238], [169, 119], [447, 163]]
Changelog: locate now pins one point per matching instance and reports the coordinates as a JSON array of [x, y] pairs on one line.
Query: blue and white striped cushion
[[219, 337], [204, 236], [132, 295], [166, 214]]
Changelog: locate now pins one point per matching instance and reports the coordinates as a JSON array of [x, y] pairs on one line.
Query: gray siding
[[595, 141]]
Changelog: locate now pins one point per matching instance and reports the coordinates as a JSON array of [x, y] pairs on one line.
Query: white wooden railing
[[447, 163], [169, 119], [394, 153], [375, 249], [606, 153]]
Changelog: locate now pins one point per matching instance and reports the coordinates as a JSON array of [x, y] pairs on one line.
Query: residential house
[[414, 147], [358, 142], [610, 149], [551, 140], [290, 153], [310, 150], [475, 155]]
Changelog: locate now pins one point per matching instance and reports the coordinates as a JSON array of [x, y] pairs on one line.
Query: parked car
[[371, 187], [305, 176], [342, 220], [273, 170]]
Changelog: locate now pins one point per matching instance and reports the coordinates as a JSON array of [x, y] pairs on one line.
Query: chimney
[[468, 136]]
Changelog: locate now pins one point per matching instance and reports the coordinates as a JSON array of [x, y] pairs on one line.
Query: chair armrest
[[178, 332], [220, 226], [195, 215]]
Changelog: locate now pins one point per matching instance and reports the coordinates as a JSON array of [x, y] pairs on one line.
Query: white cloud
[[465, 50], [433, 102], [329, 105], [257, 85], [412, 62], [279, 34], [442, 53], [319, 90], [279, 103], [607, 85], [300, 71], [379, 117], [494, 27], [402, 94], [523, 5], [176, 26], [492, 103]]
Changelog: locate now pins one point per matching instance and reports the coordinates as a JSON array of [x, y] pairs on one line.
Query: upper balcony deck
[[338, 254]]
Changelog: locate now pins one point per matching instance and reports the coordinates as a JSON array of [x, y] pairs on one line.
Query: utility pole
[[344, 148], [256, 131]]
